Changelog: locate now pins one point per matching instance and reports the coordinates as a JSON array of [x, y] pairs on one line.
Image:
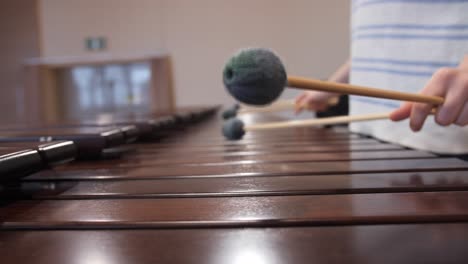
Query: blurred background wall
[[310, 35], [130, 26], [19, 39]]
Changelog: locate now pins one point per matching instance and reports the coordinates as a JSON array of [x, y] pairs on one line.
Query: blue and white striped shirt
[[398, 45]]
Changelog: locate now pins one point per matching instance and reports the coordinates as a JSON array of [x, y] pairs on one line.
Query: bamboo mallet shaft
[[340, 88], [321, 121], [318, 122]]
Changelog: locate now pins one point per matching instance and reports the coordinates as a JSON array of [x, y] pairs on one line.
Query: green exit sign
[[96, 43]]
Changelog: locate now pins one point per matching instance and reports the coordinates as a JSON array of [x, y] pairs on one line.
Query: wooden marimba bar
[[287, 196]]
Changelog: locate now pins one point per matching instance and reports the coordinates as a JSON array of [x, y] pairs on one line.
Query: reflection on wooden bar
[[325, 194]]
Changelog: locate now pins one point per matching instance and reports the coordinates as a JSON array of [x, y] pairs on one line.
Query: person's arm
[[449, 83], [341, 75], [318, 101]]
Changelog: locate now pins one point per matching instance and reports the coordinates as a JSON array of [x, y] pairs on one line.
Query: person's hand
[[315, 101], [449, 83]]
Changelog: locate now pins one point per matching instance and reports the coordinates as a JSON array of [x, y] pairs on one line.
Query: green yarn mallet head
[[230, 112], [233, 129], [255, 76]]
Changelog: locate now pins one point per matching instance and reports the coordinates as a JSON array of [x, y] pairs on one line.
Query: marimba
[[188, 196]]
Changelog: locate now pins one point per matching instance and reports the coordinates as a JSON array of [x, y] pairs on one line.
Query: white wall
[[131, 26], [311, 36]]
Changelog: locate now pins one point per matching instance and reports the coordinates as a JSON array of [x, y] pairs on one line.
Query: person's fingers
[[320, 106], [313, 105], [437, 86], [306, 103], [297, 109], [464, 64], [402, 113], [309, 101], [454, 101], [298, 106], [462, 119], [419, 113], [300, 97], [313, 101], [333, 100]]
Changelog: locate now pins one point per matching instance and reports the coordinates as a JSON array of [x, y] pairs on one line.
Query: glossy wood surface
[[408, 243], [298, 196], [138, 159], [249, 170], [259, 151], [262, 211], [240, 186]]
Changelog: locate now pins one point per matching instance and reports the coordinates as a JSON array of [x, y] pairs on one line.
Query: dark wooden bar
[[138, 160], [248, 170], [407, 243], [240, 186], [260, 211], [183, 194]]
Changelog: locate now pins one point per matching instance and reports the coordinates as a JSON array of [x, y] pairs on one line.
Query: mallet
[[257, 77], [234, 129], [231, 111]]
